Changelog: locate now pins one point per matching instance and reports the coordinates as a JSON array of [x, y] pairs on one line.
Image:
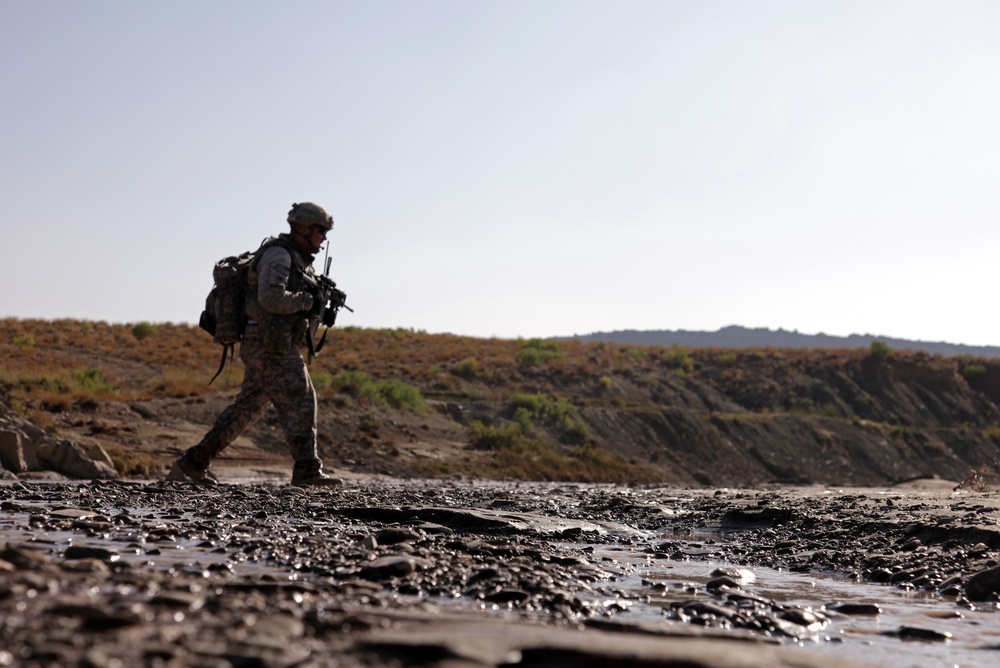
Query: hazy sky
[[514, 168]]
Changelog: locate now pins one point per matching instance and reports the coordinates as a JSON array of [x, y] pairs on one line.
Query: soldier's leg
[[249, 405], [291, 391]]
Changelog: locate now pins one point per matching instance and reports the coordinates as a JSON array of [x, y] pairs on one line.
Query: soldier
[[280, 314]]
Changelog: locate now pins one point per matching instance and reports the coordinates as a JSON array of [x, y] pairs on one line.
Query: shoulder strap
[[228, 349]]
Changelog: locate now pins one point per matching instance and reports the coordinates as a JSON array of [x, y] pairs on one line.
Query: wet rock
[[856, 608], [281, 626], [23, 558], [807, 618], [507, 596], [433, 529], [178, 599], [393, 535], [722, 585], [914, 633], [86, 552], [880, 575], [71, 513], [733, 573], [705, 609], [984, 585], [94, 618], [388, 567]]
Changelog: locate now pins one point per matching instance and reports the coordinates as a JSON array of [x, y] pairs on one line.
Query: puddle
[[654, 583], [158, 545], [639, 587]]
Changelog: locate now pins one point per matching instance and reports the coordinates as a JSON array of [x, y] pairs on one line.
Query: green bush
[[678, 359], [26, 341], [880, 350], [498, 437], [638, 354], [535, 352], [575, 432], [393, 393], [972, 371], [142, 330], [523, 417], [556, 412], [91, 380], [542, 406], [398, 394], [355, 383], [321, 380], [467, 368]]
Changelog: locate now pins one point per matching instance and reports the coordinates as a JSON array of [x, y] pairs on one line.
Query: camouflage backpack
[[224, 316]]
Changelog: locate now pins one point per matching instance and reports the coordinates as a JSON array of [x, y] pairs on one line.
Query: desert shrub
[[880, 350], [398, 394], [679, 359], [556, 412], [973, 371], [355, 383], [514, 455], [536, 351], [91, 381], [25, 341], [321, 380], [542, 406], [575, 432], [727, 359], [524, 418], [638, 354], [605, 383], [142, 330], [393, 393], [467, 368], [495, 437]]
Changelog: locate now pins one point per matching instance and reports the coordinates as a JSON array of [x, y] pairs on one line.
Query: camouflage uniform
[[274, 370]]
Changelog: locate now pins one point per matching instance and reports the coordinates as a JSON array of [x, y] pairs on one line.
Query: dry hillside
[[408, 403]]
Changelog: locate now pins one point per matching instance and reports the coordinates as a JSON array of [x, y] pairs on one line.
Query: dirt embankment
[[566, 411]]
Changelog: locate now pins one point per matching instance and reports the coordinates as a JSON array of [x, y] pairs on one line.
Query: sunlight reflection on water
[[975, 634]]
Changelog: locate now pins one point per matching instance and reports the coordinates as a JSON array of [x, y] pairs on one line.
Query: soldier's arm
[[272, 284]]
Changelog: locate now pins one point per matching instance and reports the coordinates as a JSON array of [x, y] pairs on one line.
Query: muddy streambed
[[258, 573], [936, 632]]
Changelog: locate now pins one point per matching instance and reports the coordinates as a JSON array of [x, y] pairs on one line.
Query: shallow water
[[975, 634], [638, 587]]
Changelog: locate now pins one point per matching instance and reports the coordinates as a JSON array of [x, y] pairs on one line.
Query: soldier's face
[[317, 235]]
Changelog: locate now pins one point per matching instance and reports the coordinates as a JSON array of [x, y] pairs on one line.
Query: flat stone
[[87, 552]]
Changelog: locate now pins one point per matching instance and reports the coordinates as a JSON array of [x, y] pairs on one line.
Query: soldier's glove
[[318, 302], [329, 317]]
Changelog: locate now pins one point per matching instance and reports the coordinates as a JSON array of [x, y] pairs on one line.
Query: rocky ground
[[414, 573]]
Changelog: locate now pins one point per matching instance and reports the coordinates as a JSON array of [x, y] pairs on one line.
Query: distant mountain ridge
[[736, 336]]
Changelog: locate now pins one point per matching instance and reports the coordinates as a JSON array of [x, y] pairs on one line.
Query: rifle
[[331, 300]]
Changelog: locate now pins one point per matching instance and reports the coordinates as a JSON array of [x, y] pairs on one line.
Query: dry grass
[[50, 366], [40, 357]]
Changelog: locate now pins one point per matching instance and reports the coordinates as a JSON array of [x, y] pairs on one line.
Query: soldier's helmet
[[310, 215]]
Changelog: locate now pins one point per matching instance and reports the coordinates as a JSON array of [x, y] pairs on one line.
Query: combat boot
[[182, 471], [318, 479]]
